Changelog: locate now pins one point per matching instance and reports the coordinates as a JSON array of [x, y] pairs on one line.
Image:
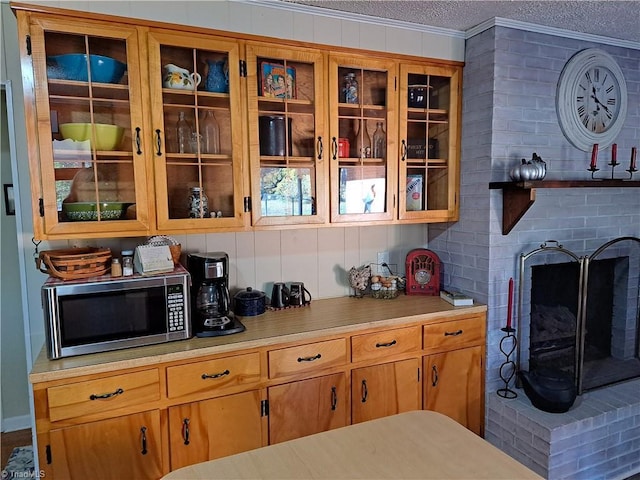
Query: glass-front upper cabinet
[[363, 138], [429, 142], [88, 104], [196, 117], [287, 142]]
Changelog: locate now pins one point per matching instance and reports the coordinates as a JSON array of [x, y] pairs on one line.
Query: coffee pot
[[279, 295], [298, 295], [180, 78]]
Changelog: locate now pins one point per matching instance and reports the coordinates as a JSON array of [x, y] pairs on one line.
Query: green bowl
[[108, 137], [88, 211]]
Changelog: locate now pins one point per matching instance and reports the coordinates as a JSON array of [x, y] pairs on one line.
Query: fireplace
[[579, 315]]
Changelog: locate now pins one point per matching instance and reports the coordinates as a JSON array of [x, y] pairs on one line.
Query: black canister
[[272, 135]]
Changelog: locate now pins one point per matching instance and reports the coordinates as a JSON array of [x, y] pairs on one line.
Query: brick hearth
[[599, 437]]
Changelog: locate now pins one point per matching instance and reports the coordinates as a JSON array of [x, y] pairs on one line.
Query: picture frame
[[276, 81], [9, 199]]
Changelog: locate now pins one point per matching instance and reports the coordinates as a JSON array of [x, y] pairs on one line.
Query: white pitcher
[[180, 78]]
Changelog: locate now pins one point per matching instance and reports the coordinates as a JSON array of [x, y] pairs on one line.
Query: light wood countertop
[[322, 317], [413, 445]]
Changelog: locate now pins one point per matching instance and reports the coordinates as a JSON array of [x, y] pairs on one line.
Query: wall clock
[[591, 99], [422, 270]]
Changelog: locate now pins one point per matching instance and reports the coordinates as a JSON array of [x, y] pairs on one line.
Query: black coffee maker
[[210, 305]]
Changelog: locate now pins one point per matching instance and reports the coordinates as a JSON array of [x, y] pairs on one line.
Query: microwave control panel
[[175, 308]]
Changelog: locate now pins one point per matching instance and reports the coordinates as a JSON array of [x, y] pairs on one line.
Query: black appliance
[[549, 390], [210, 305]]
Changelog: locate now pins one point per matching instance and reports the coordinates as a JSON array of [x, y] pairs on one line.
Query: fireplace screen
[[580, 314]]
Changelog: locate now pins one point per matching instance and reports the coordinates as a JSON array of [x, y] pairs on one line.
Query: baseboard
[[16, 423]]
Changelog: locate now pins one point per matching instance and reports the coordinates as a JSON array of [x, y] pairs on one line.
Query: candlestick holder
[[508, 367], [613, 164]]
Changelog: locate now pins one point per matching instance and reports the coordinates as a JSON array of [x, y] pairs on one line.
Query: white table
[[412, 445]]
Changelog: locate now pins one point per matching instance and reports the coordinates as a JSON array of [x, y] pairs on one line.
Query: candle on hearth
[[632, 166], [510, 303], [594, 155], [614, 153]]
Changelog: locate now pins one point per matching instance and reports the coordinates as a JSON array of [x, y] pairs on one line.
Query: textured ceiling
[[608, 18]]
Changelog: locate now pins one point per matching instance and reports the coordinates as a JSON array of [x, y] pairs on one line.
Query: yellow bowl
[[107, 137]]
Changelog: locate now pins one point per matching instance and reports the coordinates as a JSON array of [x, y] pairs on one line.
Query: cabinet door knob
[[334, 398], [365, 391], [403, 151], [143, 432], [334, 148], [185, 431], [158, 143], [320, 148], [434, 376], [138, 141]]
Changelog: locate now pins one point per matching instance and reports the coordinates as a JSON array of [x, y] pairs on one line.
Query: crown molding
[[558, 32], [324, 12]]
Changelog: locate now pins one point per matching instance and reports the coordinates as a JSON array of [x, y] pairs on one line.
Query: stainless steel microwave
[[104, 313]]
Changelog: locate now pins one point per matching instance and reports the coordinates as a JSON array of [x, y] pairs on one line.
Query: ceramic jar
[[180, 78]]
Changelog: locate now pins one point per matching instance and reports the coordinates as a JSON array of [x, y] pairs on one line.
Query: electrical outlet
[[383, 257]]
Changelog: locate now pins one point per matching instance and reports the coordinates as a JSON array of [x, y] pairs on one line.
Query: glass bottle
[[183, 133], [116, 268], [197, 199], [210, 133], [379, 142], [363, 140]]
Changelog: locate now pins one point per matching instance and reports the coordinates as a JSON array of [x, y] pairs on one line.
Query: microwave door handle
[[53, 321]]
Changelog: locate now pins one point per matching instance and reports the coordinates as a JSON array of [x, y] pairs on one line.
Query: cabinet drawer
[[104, 394], [304, 358], [455, 334], [381, 344], [221, 375]]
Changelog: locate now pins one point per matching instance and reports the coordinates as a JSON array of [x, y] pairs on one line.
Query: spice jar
[[116, 268], [127, 263]]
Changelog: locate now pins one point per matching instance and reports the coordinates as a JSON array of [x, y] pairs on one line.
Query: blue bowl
[[73, 66]]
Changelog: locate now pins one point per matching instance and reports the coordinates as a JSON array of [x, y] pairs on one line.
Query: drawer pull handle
[[388, 344], [93, 396], [143, 431], [320, 148], [334, 398], [309, 359], [365, 391], [453, 334], [334, 147], [215, 375], [185, 431], [434, 376]]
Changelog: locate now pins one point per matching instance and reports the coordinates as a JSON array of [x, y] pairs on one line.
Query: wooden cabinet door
[[288, 146], [215, 428], [306, 407], [428, 174], [210, 158], [386, 389], [117, 448], [363, 178], [91, 183], [453, 386]]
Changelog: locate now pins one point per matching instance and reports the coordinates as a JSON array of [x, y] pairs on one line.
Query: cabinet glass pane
[[286, 126], [361, 149], [197, 133], [427, 142], [92, 139]]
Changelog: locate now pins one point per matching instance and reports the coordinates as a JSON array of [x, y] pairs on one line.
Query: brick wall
[[509, 88]]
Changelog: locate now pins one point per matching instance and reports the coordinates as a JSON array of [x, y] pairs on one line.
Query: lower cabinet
[[453, 386], [386, 389], [117, 448], [215, 428], [306, 407]]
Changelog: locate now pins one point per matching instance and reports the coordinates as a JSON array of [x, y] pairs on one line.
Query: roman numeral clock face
[[591, 99]]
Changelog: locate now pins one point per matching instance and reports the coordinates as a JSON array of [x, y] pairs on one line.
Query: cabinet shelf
[[517, 197]]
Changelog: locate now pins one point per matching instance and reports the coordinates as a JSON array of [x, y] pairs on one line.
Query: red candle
[[510, 304], [614, 153], [634, 151], [594, 155]]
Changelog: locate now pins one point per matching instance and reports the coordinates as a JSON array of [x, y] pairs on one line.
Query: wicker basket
[[74, 263]]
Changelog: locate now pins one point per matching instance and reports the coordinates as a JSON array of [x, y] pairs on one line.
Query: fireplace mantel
[[517, 197]]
